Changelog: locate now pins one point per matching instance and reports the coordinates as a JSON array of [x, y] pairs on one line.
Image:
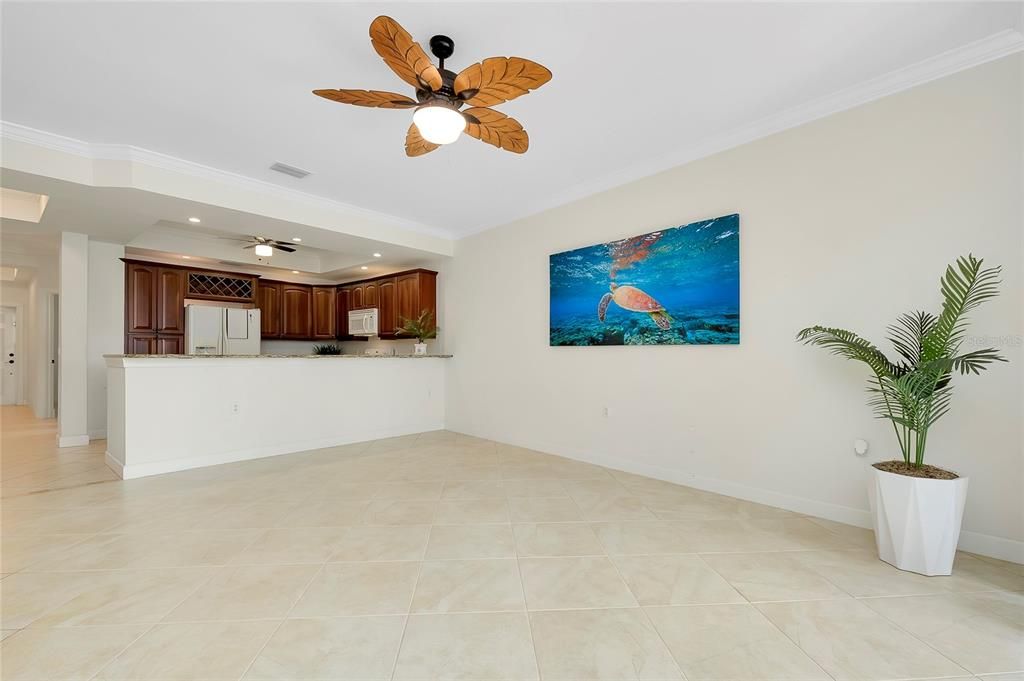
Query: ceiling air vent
[[289, 170]]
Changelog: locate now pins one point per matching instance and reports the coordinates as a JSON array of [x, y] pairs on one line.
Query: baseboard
[[72, 440], [113, 464], [98, 434], [973, 542], [141, 470]]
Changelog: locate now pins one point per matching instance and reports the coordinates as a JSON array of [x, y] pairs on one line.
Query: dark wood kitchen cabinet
[[296, 311], [370, 294], [343, 303], [415, 292], [154, 304], [357, 292], [170, 301], [268, 300], [386, 311], [325, 313]]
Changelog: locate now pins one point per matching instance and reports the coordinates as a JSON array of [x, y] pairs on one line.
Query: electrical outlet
[[235, 408], [606, 411]]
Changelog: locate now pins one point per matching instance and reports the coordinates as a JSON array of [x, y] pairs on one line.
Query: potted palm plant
[[421, 328], [916, 509]]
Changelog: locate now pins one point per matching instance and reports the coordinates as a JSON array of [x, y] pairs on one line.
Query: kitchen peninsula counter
[[175, 412]]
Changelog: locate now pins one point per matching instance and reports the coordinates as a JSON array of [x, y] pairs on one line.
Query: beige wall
[[848, 220]]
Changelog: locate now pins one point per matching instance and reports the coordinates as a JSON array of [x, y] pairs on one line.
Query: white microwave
[[362, 322]]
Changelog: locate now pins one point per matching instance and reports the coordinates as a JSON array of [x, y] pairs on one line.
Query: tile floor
[[442, 556]]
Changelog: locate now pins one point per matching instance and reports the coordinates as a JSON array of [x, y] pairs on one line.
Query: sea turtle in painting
[[633, 299]]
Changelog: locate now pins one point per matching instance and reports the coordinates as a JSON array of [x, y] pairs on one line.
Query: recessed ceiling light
[[364, 267], [296, 239], [187, 257], [197, 220], [377, 255], [295, 271]]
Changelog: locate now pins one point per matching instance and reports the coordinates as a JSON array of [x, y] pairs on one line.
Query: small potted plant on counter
[[326, 349], [421, 328], [916, 509]]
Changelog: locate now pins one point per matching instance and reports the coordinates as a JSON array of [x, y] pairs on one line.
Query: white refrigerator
[[222, 330]]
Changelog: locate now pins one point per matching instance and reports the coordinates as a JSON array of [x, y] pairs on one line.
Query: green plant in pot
[[421, 328], [326, 349], [916, 508]]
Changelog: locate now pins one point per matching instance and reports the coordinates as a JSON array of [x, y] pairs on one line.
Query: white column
[[72, 390], [106, 326]]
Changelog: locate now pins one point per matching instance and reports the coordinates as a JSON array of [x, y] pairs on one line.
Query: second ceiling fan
[[440, 94]]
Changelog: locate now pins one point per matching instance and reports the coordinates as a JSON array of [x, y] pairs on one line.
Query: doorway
[[9, 379]]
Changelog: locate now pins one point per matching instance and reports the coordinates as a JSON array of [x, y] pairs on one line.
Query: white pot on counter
[[419, 349], [916, 520]]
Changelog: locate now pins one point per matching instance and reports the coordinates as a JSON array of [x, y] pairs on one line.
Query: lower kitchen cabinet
[[170, 344]]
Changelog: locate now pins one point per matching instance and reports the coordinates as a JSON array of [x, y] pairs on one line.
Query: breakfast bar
[[175, 412]]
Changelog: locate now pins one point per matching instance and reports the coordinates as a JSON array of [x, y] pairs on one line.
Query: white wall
[[105, 324], [72, 421], [849, 220]]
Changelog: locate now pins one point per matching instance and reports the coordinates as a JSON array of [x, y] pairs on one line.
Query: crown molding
[[127, 153], [991, 48]]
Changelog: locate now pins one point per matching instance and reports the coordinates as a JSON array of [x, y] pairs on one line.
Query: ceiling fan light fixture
[[263, 250], [438, 122]]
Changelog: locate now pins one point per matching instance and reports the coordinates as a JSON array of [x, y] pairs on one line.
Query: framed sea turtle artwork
[[676, 286]]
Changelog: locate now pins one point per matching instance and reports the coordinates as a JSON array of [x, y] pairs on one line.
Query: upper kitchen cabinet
[[356, 299], [154, 308], [415, 291], [325, 326], [296, 311], [170, 301], [370, 294], [268, 300], [140, 299], [386, 311], [343, 302]]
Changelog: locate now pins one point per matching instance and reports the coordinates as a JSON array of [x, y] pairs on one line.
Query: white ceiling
[[228, 85]]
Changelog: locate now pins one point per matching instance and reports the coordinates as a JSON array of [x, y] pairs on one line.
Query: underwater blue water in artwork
[[677, 286]]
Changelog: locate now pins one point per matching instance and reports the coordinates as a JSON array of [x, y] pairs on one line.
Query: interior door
[[9, 350]]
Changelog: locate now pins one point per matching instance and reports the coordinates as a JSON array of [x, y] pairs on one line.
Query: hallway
[[31, 462]]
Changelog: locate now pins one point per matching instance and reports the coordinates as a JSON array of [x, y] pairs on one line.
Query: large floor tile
[[534, 488], [968, 629], [211, 651], [380, 543], [291, 545], [399, 512], [101, 597], [473, 489], [467, 647], [359, 589], [339, 649], [674, 580], [851, 641], [860, 573], [18, 552], [564, 583], [469, 511], [778, 576], [246, 592], [612, 645], [543, 509], [469, 586], [731, 643], [64, 654], [124, 551], [330, 512], [470, 541], [643, 538], [556, 539]]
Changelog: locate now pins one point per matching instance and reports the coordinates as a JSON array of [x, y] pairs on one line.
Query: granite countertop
[[275, 356]]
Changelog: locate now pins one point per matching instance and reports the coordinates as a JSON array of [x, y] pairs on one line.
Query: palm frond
[[964, 288], [849, 345], [977, 361], [907, 334]]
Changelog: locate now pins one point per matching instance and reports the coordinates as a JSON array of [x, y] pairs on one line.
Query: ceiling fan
[[440, 93], [265, 247]]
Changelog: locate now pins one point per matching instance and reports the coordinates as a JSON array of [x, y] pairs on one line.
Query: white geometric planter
[[917, 520]]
